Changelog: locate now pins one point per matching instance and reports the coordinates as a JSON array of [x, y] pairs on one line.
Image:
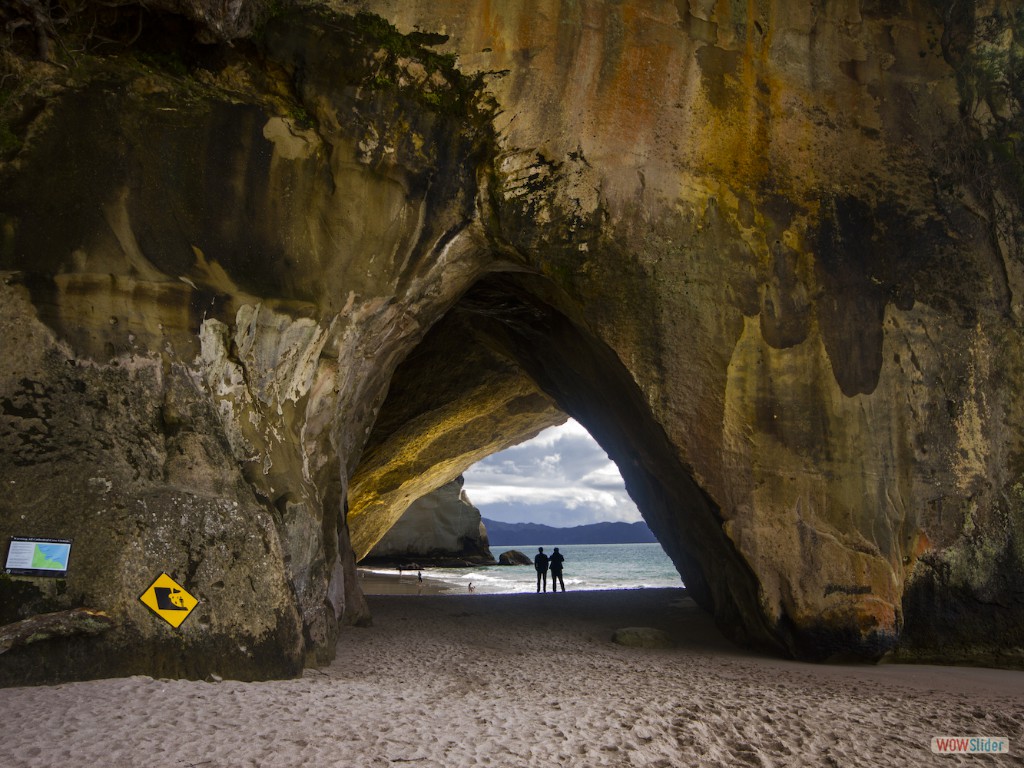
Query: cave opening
[[505, 361], [557, 489], [561, 490]]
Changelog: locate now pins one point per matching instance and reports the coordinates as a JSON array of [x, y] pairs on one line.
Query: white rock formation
[[441, 525]]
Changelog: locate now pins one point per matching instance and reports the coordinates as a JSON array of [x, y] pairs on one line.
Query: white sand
[[524, 680]]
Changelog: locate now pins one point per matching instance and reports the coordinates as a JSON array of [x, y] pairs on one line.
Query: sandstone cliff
[[442, 526], [769, 254]]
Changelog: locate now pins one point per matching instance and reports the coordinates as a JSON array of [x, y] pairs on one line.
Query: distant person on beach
[[419, 577], [540, 562], [555, 563], [471, 587]]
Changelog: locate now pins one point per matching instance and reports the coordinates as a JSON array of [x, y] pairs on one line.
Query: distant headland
[[517, 534]]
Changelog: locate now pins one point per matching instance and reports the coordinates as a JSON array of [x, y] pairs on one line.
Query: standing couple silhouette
[[542, 563]]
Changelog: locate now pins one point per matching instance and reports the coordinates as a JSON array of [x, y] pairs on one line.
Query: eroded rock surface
[[797, 229], [213, 260], [768, 254], [442, 527], [452, 403]]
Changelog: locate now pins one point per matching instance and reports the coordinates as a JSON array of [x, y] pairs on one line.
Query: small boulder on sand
[[642, 637]]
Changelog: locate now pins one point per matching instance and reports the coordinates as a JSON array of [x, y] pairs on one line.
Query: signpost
[[169, 600], [28, 556]]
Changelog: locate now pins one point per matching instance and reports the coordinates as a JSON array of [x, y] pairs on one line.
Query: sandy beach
[[375, 583], [524, 680]]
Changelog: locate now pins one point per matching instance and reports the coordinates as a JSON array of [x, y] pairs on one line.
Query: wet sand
[[406, 583], [524, 680]]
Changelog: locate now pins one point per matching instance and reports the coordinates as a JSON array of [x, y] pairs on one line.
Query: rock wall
[[127, 459], [213, 259], [768, 253], [442, 526], [775, 253]]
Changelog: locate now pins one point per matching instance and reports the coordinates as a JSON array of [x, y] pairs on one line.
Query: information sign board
[[28, 556]]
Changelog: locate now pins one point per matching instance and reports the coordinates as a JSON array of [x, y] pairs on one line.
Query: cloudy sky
[[561, 477]]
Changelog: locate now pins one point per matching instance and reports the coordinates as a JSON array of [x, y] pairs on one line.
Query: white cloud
[[604, 477], [561, 477]]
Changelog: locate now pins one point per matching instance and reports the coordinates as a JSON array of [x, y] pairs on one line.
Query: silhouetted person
[[555, 563], [540, 562]]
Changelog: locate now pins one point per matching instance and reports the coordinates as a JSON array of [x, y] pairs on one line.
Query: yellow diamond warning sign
[[168, 600]]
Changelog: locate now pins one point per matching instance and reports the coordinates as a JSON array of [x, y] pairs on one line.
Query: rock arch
[[782, 240], [504, 320]]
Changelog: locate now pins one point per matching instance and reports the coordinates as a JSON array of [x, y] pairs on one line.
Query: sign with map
[[169, 600], [38, 557]]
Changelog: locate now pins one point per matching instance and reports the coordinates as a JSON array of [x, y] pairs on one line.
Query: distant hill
[[518, 534]]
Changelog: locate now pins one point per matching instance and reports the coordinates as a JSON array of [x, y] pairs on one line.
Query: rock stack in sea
[[514, 557], [441, 528]]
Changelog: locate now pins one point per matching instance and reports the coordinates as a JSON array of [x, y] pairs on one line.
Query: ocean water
[[586, 567]]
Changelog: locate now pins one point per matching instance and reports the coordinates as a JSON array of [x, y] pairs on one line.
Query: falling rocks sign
[[169, 600]]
